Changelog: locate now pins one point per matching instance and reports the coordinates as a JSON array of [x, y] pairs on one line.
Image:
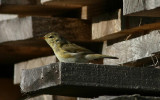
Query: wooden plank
[[80, 2], [42, 97], [84, 2], [69, 28], [84, 99], [15, 29], [19, 2], [69, 8], [7, 16], [135, 52], [141, 8], [103, 25], [34, 8], [127, 97], [64, 98], [90, 8], [115, 26], [34, 63], [73, 79], [41, 10]]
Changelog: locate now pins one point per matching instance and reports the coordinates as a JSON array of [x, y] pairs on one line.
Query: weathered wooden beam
[[19, 2], [34, 8], [69, 8], [141, 8], [7, 16], [41, 10], [126, 97], [113, 25], [15, 29], [34, 63], [69, 28], [80, 2], [90, 8], [135, 52], [106, 24], [90, 80], [41, 97]]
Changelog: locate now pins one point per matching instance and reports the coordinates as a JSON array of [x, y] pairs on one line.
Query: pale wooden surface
[[119, 26], [15, 29], [132, 50], [12, 28], [105, 98], [84, 99], [141, 7], [51, 97], [31, 64], [41, 97], [7, 16], [126, 97], [44, 1], [105, 24]]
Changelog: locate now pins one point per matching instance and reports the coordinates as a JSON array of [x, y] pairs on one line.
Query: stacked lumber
[[90, 80], [141, 46], [129, 29], [141, 8], [34, 63]]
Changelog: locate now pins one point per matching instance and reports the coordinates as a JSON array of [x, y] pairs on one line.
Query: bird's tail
[[98, 56]]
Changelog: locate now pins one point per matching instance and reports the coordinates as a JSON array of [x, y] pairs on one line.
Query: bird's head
[[52, 37]]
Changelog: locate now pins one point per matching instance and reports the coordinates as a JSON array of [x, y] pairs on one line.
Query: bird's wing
[[73, 48]]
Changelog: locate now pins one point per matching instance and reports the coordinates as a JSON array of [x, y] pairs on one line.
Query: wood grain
[[119, 26], [90, 80], [131, 51], [15, 29], [141, 8], [127, 97], [7, 16], [89, 8], [34, 63], [19, 2], [106, 24], [69, 28], [41, 10]]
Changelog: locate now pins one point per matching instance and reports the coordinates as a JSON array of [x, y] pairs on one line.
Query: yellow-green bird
[[69, 52]]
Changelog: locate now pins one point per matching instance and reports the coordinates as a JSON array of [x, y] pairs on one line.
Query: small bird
[[69, 52]]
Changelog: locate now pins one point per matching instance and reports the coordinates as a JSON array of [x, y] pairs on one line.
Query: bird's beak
[[44, 38]]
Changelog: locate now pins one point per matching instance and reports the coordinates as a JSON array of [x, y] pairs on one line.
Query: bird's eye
[[50, 36]]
